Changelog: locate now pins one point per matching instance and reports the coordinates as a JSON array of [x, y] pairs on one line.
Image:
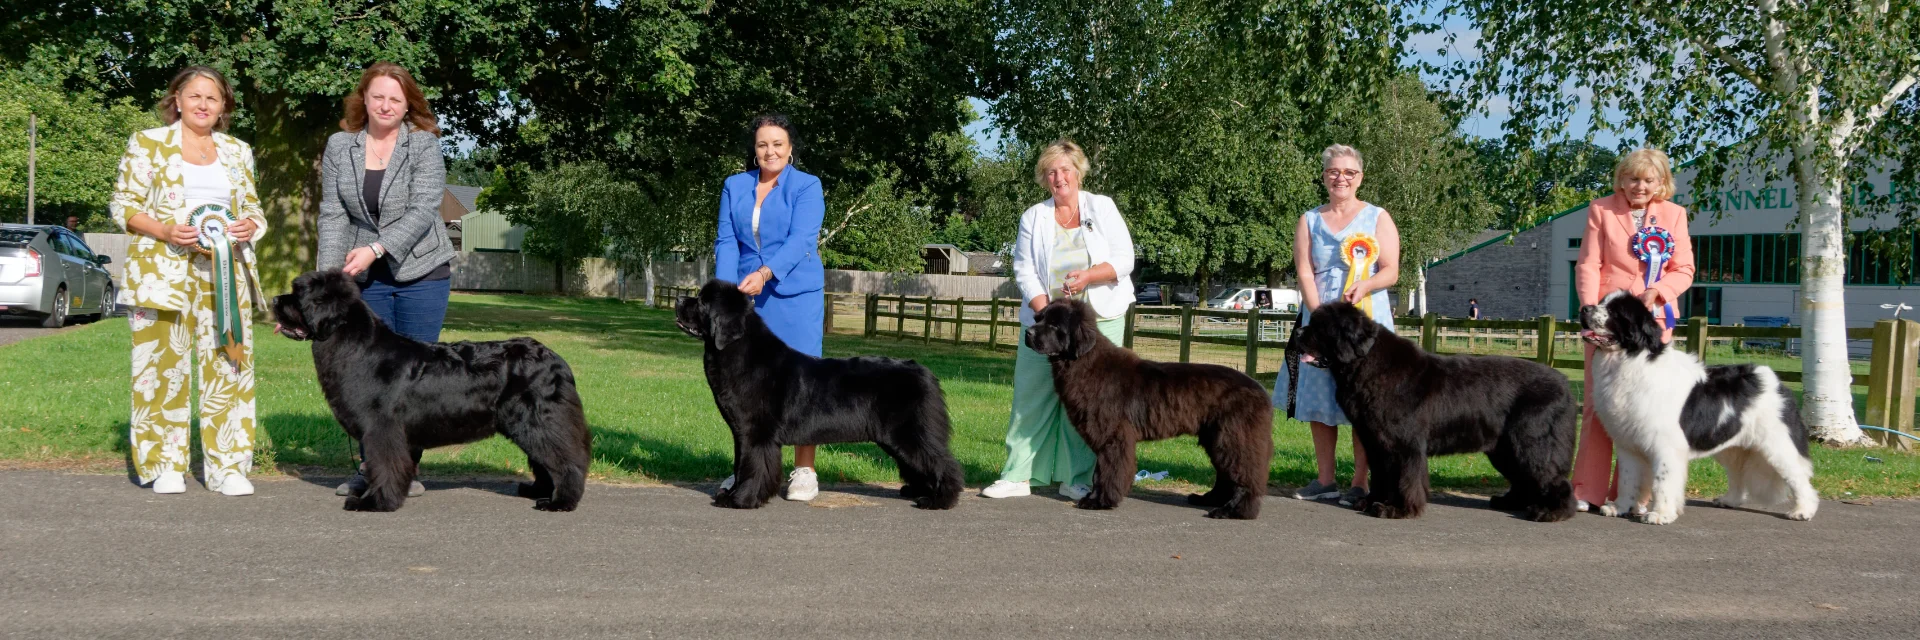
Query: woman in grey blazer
[[381, 181]]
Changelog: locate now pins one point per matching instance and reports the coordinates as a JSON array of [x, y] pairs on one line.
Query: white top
[[207, 185], [1107, 241], [756, 226]]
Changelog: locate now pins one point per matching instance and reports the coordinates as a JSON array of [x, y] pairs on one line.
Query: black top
[[372, 192], [381, 271]]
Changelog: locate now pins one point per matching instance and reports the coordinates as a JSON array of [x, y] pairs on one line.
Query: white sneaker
[[802, 484], [726, 484], [1580, 506], [1006, 489], [1075, 491], [170, 482], [236, 485]]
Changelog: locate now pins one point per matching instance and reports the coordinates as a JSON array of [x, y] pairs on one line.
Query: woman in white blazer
[[1073, 245]]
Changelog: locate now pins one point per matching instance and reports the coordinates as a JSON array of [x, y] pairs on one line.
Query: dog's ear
[[1357, 333], [326, 299], [1633, 326], [726, 309], [1086, 331]]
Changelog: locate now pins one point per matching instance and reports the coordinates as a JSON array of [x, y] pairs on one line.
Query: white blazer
[[1107, 242]]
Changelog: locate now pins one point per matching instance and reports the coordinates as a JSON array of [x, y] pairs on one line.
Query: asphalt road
[[14, 329], [92, 556]]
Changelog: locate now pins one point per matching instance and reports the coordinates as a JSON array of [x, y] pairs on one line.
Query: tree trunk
[[1420, 292], [647, 274], [287, 143], [1827, 406]]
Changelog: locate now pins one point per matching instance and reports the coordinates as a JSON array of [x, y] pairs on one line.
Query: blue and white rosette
[[1653, 246]]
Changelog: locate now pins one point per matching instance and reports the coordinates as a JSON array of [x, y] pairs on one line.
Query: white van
[[1242, 298]]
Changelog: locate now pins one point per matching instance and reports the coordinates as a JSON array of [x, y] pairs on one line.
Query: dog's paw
[[1097, 502], [1386, 511], [528, 490], [544, 504], [1659, 517], [1801, 515], [936, 503], [728, 500], [1503, 502], [1206, 500], [1364, 504], [914, 491], [359, 503], [1610, 510], [1230, 513]]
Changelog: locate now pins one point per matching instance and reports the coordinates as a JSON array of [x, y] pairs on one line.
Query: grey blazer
[[410, 227]]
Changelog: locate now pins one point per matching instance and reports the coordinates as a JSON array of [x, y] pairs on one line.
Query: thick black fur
[[1117, 400], [1407, 404], [771, 395], [398, 396]]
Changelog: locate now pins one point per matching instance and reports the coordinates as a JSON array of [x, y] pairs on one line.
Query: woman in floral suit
[[186, 303]]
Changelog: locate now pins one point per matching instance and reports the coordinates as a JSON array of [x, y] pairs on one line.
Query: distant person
[[769, 244], [1473, 308], [73, 224], [381, 181], [1642, 187], [167, 175], [1073, 245], [1318, 259]]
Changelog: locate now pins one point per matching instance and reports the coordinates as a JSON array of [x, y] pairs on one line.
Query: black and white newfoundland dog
[[771, 395], [1407, 404], [399, 396], [1117, 400], [1663, 409]]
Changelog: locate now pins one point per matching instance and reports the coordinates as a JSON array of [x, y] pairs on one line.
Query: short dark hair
[[770, 120], [1473, 299]]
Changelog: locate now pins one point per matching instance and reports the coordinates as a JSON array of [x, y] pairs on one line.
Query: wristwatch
[[378, 252]]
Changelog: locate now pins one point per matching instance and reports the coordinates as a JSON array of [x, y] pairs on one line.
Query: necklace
[[204, 144]]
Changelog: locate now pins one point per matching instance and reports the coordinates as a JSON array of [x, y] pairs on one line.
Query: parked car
[[1249, 297], [1150, 293], [50, 273]]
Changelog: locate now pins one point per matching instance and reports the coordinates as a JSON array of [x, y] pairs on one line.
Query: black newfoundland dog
[[399, 397], [1407, 404], [771, 395], [1117, 400]]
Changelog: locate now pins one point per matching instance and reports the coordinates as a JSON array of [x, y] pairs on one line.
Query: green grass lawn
[[63, 403]]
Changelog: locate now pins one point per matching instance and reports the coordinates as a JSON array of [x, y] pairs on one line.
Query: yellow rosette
[[1360, 251]]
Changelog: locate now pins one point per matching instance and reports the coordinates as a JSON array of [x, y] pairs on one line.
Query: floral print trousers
[[166, 345]]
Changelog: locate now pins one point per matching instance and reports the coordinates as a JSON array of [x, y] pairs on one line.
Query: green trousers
[[1042, 446]]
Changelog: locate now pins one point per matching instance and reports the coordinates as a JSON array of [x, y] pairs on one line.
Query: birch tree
[[1827, 82]]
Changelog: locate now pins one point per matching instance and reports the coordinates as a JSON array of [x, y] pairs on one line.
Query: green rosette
[[211, 221]]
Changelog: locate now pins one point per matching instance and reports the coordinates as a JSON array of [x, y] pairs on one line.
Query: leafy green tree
[[1423, 173], [81, 138], [1200, 117], [880, 228], [1827, 83]]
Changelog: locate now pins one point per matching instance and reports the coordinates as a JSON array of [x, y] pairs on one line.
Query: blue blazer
[[789, 231]]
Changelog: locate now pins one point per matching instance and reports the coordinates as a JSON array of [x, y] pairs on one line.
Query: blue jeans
[[415, 310]]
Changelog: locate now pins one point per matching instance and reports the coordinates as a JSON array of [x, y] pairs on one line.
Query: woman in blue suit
[[769, 243]]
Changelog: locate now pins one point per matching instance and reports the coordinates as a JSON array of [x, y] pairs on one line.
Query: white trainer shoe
[[170, 482], [1075, 491], [1006, 489], [726, 484], [803, 484], [1581, 506], [236, 485]]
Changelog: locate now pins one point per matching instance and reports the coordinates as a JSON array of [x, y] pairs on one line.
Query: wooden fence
[[1890, 384]]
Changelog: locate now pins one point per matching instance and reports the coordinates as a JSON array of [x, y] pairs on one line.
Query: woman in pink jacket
[[1638, 212]]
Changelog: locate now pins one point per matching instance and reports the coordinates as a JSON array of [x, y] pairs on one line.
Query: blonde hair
[[1053, 152], [1340, 151], [1647, 162]]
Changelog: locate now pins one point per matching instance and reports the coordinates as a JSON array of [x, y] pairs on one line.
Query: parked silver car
[[49, 272]]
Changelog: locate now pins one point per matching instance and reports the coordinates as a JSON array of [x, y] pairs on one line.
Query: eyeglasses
[[1336, 174]]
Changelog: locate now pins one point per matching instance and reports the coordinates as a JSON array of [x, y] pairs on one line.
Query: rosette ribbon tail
[[227, 277]]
